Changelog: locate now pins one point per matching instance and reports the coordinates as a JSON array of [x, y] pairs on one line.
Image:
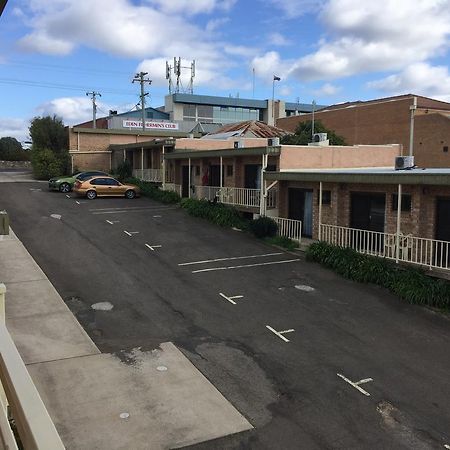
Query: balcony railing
[[153, 175], [432, 253], [173, 188], [20, 400]]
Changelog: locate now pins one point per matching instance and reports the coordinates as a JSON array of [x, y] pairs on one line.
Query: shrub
[[152, 191], [45, 164], [282, 241], [217, 213], [411, 284], [263, 227], [124, 170]]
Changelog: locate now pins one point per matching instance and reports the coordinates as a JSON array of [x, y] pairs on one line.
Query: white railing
[[153, 175], [20, 400], [272, 198], [249, 198], [289, 228], [173, 188], [406, 248], [206, 193]]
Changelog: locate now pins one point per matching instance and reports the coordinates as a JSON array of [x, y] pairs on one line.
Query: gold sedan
[[102, 186]]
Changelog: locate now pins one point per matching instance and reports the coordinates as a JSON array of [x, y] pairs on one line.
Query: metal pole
[[273, 97], [163, 169], [313, 110], [399, 210], [262, 198], [413, 108], [320, 211], [189, 177], [142, 162], [221, 180]]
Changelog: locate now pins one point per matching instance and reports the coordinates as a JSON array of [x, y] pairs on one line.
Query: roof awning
[[226, 152]]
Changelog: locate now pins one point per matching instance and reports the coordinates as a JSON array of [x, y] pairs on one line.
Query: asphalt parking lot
[[311, 360]]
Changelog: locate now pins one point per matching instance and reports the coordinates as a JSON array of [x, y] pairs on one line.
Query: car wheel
[[64, 187], [91, 194], [130, 194]]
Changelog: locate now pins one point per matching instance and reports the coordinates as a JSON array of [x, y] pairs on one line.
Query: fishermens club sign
[[150, 125]]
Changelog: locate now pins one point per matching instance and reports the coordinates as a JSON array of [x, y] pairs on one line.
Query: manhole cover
[[304, 287], [102, 306]]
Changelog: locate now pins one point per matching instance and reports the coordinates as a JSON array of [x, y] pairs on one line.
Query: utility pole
[[313, 111], [412, 108], [93, 95], [140, 78]]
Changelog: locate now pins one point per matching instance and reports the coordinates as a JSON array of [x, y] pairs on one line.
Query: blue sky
[[53, 51]]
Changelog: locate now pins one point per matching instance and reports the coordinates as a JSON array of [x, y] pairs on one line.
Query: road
[[311, 360]]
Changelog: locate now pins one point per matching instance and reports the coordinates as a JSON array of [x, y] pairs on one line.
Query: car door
[[114, 187], [100, 185]]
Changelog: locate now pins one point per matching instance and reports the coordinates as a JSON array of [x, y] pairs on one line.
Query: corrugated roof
[[249, 128]]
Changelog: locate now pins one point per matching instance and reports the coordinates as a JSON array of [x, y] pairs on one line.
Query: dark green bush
[[217, 213], [154, 192], [282, 241], [46, 164], [124, 170], [411, 284], [263, 227]]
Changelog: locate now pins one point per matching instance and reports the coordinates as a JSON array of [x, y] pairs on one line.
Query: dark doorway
[[300, 208], [214, 175], [185, 182], [367, 211], [252, 176], [129, 156], [443, 219]]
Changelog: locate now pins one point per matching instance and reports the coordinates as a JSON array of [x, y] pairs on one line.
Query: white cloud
[[326, 90], [376, 36], [270, 64], [214, 24], [12, 127], [296, 8], [419, 78], [278, 39], [192, 7], [285, 91]]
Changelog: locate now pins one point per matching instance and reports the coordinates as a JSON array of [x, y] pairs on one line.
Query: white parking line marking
[[112, 222], [132, 207], [446, 446], [357, 383], [77, 202], [246, 265], [157, 216], [123, 211], [228, 259], [152, 247], [68, 196], [35, 189], [130, 233], [280, 333], [231, 298]]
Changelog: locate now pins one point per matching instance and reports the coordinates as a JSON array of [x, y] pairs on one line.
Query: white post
[[262, 193], [142, 163], [3, 399], [413, 108], [124, 155], [221, 180], [163, 168], [189, 178], [399, 210], [320, 211]]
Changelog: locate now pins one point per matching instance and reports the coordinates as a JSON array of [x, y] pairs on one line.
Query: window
[[271, 168], [229, 171], [98, 181], [406, 202], [326, 198], [445, 148], [111, 182]]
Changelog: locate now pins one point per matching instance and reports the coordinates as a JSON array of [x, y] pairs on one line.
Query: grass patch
[[282, 241], [410, 284]]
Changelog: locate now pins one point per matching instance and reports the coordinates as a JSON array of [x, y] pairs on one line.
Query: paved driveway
[[311, 360]]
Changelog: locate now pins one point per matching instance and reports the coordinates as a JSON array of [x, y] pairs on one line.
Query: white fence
[[153, 175], [173, 188], [425, 252], [289, 228]]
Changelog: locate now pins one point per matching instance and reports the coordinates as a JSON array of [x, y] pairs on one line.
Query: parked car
[[65, 183], [105, 187]]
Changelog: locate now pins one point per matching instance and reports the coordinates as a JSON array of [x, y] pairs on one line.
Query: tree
[[11, 150], [50, 155], [303, 134]]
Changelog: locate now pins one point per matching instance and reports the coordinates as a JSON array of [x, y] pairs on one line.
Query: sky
[[54, 51]]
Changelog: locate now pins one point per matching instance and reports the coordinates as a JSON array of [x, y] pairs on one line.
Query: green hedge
[[411, 284], [282, 241], [153, 191], [217, 213], [263, 227]]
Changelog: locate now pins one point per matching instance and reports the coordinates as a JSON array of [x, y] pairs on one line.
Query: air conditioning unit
[[319, 137], [404, 162], [238, 144], [273, 142]]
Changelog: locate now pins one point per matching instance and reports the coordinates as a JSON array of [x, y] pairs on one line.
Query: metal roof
[[139, 145], [249, 151], [367, 176], [302, 107]]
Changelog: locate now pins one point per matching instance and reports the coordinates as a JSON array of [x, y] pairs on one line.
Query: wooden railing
[[20, 400], [153, 175], [289, 228], [406, 248]]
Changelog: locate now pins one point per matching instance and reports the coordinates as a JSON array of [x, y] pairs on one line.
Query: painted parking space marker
[[231, 298], [229, 259], [131, 208], [67, 195], [56, 216], [112, 222], [152, 247], [212, 269], [357, 383], [77, 202], [130, 233], [35, 189], [157, 216], [280, 333], [446, 446]]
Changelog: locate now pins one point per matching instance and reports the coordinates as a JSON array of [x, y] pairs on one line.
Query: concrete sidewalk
[[154, 399]]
